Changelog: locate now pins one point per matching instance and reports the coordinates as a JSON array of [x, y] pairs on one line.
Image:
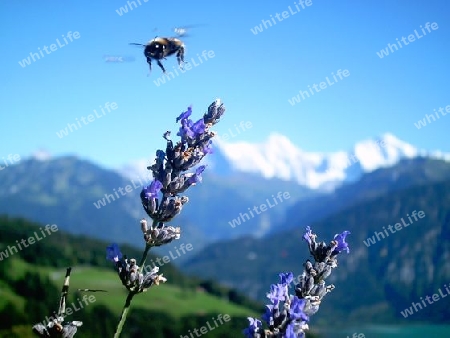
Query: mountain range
[[384, 273], [279, 158], [375, 189], [85, 198]]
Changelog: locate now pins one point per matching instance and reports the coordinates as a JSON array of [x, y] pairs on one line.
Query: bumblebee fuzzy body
[[159, 48]]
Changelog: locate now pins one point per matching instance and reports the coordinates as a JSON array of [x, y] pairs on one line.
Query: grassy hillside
[[30, 282]]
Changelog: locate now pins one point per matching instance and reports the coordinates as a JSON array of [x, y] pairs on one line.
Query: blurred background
[[336, 118]]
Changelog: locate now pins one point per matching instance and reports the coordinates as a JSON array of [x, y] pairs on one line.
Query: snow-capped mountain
[[279, 158], [41, 155]]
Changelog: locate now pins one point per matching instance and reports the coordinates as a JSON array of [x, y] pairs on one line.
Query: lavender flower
[[284, 316], [253, 329], [113, 253], [288, 315], [341, 244], [160, 234], [128, 271], [162, 199]]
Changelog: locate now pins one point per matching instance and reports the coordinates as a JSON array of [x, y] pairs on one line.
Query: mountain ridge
[[278, 157], [385, 276]]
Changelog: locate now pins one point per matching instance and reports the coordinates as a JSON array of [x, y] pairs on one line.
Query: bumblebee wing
[[183, 30], [136, 44]]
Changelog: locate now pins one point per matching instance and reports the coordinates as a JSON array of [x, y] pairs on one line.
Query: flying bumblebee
[[160, 48]]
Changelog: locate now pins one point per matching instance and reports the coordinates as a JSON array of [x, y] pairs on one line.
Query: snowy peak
[[41, 155], [384, 151], [278, 157]]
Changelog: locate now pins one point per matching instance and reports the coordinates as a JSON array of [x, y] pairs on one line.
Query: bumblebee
[[160, 48]]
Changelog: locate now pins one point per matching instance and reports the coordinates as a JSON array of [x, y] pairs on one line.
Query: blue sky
[[255, 75]]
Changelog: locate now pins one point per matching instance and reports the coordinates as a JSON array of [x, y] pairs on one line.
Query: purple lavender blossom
[[277, 293], [296, 309], [253, 327], [185, 115], [196, 178], [307, 235], [151, 191], [189, 129], [291, 331], [207, 148], [341, 244], [286, 278], [198, 127], [113, 253], [185, 130], [170, 167], [268, 315], [289, 319]]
